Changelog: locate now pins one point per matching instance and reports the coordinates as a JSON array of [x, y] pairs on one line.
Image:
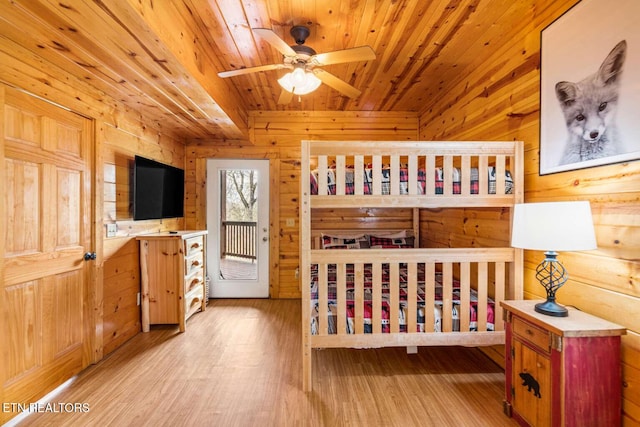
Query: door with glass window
[[238, 225]]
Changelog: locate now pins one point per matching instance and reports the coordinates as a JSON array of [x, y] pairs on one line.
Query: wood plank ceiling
[[161, 57]]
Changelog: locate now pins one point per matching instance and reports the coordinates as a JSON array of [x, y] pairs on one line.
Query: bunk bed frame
[[494, 274]]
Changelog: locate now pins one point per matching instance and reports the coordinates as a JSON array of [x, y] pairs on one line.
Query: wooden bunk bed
[[384, 295]]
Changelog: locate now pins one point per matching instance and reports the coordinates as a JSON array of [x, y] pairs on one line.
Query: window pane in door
[[238, 223]]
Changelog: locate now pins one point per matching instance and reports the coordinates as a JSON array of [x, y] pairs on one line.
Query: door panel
[[20, 325], [46, 185], [64, 293], [23, 220]]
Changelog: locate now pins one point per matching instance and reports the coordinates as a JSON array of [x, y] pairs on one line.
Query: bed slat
[[376, 303], [376, 164], [340, 172], [394, 297], [394, 179], [499, 294], [483, 177], [412, 171], [429, 297], [465, 289], [412, 297], [323, 300], [447, 291], [358, 178], [358, 298], [500, 171], [465, 176], [322, 175], [341, 300], [483, 281]]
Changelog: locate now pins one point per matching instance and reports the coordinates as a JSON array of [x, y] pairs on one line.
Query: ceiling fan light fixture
[[299, 82]]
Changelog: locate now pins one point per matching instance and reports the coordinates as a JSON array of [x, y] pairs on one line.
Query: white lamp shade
[[299, 82], [553, 226]]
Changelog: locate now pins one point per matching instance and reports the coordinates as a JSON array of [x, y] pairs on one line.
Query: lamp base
[[551, 308]]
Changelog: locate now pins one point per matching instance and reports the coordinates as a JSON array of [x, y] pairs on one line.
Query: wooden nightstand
[[561, 371]]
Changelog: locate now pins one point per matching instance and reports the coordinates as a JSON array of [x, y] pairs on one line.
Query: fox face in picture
[[589, 108]]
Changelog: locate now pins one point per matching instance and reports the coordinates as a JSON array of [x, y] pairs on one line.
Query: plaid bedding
[[404, 176], [386, 309]]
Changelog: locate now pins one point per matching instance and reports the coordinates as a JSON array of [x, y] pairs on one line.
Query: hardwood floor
[[239, 364]]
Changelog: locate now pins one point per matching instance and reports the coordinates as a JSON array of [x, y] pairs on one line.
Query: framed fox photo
[[590, 86]]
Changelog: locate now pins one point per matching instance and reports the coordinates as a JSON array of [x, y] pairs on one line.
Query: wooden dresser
[[561, 371], [173, 272]]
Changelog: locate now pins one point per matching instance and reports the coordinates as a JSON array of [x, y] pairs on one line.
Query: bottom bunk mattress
[[386, 310]]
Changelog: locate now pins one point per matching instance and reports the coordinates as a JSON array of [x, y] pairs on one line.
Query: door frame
[[261, 284]]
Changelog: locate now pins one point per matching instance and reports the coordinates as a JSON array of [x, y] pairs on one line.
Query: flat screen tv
[[158, 190]]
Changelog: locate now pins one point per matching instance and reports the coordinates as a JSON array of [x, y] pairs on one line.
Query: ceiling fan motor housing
[[299, 33], [304, 52]]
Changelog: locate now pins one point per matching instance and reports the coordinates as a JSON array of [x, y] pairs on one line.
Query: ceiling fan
[[305, 64]]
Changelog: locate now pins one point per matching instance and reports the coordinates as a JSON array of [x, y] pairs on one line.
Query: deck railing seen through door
[[239, 239]]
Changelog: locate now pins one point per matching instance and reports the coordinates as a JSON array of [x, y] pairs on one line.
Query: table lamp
[[551, 227]]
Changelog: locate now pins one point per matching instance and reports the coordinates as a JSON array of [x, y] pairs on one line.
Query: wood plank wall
[[505, 105], [121, 253], [276, 136]]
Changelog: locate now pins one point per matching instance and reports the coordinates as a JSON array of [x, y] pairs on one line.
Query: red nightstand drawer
[[532, 334]]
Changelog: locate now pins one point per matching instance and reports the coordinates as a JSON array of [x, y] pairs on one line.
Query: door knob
[[89, 256]]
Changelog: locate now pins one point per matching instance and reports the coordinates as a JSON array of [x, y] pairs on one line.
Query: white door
[[238, 225]]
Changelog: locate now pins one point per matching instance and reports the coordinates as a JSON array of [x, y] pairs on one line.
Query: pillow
[[376, 242], [393, 234], [359, 241], [392, 240]]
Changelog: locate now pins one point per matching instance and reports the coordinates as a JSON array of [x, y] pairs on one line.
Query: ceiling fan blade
[[285, 97], [362, 53], [336, 83], [274, 40], [249, 70]]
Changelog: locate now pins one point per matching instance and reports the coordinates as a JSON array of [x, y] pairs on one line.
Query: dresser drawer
[[193, 281], [193, 245], [531, 334], [194, 301], [193, 263]]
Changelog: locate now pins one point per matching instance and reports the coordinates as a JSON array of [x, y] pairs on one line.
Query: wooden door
[[531, 384], [46, 318]]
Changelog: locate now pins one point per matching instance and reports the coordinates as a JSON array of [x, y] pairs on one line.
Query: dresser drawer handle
[[195, 246], [195, 282], [529, 332], [195, 263]]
